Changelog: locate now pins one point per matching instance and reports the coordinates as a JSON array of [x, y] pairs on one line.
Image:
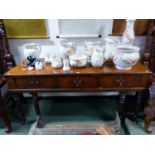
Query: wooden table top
[[108, 68]]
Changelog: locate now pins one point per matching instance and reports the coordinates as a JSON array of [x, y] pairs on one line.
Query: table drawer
[[78, 81], [35, 82], [120, 81]]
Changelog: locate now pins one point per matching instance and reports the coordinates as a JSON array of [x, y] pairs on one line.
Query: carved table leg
[[37, 109], [6, 119], [147, 123], [139, 98], [150, 109], [36, 103], [20, 106], [121, 107]]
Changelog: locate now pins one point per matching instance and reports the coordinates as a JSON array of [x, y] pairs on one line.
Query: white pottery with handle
[[97, 58]]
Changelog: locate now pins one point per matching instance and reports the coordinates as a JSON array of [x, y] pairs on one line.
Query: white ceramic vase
[[126, 57], [66, 66], [129, 34]]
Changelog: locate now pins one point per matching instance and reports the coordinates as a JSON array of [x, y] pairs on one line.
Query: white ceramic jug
[[90, 48], [97, 58], [110, 46]]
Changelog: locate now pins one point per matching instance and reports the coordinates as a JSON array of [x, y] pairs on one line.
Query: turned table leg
[[20, 105], [37, 109], [150, 109], [36, 103], [121, 107], [139, 101]]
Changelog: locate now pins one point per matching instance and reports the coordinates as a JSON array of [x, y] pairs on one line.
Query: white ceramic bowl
[[32, 49], [78, 60], [126, 57]]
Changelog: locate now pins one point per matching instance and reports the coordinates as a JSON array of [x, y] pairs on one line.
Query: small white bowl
[[78, 60]]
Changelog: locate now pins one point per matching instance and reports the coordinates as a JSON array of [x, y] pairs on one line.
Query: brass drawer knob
[[34, 81], [77, 82], [120, 81], [37, 82]]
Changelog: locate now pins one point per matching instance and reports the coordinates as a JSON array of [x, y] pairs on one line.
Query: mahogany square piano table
[[88, 79]]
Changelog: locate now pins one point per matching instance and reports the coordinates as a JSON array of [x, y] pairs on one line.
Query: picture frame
[[25, 28]]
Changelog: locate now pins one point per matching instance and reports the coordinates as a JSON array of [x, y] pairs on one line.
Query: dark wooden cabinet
[[149, 60], [3, 112], [6, 63], [6, 58]]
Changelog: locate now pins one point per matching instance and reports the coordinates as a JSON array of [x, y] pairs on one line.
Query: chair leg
[[150, 109]]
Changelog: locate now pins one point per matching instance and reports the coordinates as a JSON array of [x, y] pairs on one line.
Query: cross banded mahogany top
[[107, 68]]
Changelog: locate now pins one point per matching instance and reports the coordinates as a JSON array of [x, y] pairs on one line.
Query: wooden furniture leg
[[147, 123], [121, 107], [150, 109], [5, 119], [20, 106], [37, 109], [36, 104], [139, 98]]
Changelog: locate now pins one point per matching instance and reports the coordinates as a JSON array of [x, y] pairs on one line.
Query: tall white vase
[[129, 34]]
